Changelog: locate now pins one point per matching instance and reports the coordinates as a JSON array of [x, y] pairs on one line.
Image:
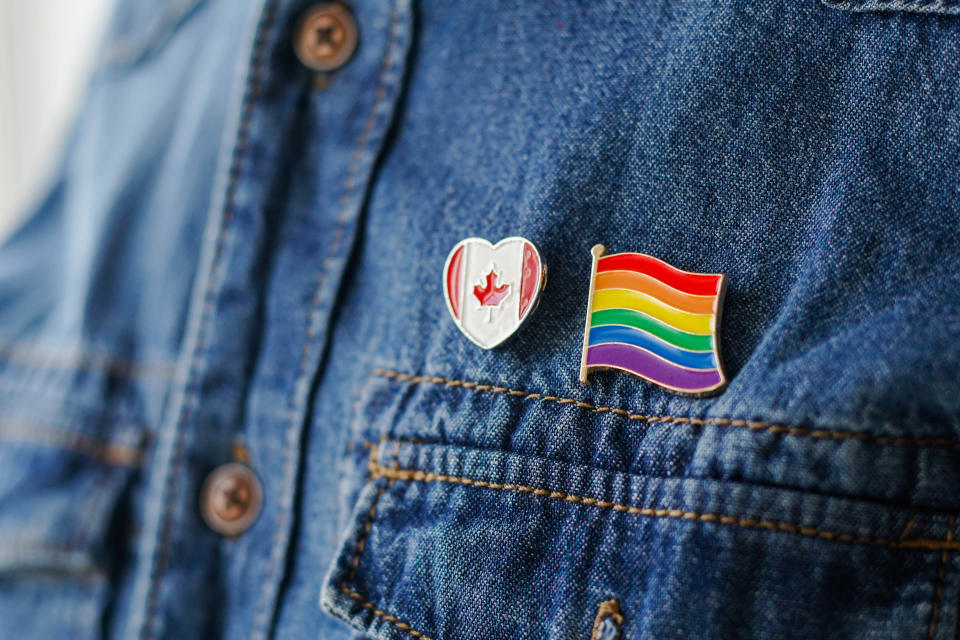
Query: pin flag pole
[[597, 251]]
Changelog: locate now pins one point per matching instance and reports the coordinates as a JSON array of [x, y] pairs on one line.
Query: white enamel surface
[[488, 326]]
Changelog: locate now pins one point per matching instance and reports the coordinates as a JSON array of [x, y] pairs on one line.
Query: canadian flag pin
[[491, 289]]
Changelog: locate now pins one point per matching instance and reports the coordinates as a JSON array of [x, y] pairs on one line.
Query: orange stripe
[[645, 284]]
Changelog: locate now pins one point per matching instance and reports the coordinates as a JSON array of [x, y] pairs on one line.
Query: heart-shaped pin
[[491, 289]]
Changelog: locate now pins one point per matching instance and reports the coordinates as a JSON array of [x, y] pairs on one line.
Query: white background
[[47, 48]]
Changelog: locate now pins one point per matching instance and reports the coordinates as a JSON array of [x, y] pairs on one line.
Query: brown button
[[231, 498], [326, 37]]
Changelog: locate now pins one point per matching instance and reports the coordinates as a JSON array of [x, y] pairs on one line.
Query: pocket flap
[[457, 543], [943, 7]]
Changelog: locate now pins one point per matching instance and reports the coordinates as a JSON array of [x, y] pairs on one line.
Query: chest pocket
[[456, 537], [68, 467], [942, 7]]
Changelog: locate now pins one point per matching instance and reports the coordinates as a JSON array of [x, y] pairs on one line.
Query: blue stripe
[[628, 335]]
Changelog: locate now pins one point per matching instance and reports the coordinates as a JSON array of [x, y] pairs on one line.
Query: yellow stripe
[[623, 299]]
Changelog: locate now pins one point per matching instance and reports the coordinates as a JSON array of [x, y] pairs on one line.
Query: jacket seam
[[361, 544], [740, 423], [160, 558], [45, 357], [938, 588], [936, 8], [70, 404], [104, 451], [397, 622], [394, 473], [19, 548], [300, 388], [925, 544]]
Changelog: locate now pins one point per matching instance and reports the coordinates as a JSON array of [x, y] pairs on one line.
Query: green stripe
[[676, 337]]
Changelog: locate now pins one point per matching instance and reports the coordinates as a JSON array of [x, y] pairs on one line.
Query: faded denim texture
[[231, 255]]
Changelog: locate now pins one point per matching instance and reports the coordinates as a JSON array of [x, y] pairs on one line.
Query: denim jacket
[[240, 260]]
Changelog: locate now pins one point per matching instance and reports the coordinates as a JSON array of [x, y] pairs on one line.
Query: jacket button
[[326, 37], [230, 499]]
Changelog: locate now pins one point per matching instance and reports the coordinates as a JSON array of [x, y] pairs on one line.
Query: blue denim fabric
[[230, 255]]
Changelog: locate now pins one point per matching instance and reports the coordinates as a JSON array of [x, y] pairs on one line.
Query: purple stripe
[[647, 365]]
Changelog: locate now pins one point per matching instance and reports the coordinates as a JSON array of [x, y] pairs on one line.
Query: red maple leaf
[[491, 295]]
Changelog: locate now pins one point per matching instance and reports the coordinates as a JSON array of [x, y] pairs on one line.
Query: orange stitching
[[753, 425], [362, 541], [677, 514], [938, 591], [49, 357], [607, 609], [374, 464], [240, 453], [908, 528], [383, 614], [101, 450], [612, 609], [396, 459]]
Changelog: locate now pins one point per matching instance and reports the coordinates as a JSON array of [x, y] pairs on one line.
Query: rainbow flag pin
[[655, 321]]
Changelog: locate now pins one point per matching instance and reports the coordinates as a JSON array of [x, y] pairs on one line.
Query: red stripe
[[699, 284], [455, 281], [530, 278]]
